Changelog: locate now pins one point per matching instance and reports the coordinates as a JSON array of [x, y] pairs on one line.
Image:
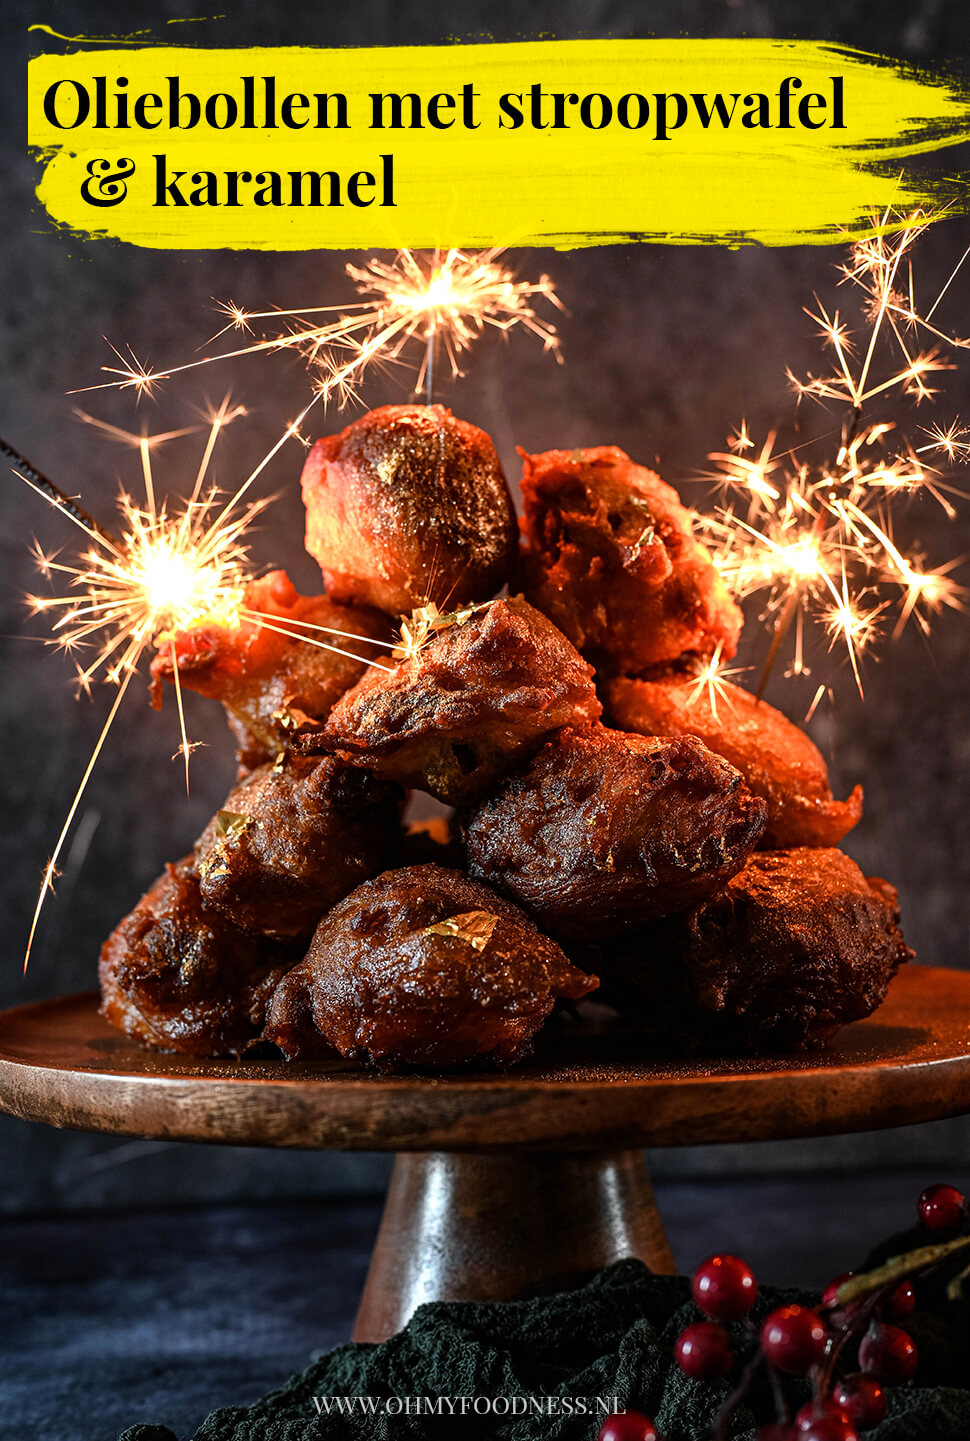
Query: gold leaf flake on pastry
[[474, 927]]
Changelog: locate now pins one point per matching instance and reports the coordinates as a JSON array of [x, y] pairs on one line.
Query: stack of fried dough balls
[[612, 829]]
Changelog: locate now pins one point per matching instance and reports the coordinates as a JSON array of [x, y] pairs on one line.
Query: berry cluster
[[805, 1341]]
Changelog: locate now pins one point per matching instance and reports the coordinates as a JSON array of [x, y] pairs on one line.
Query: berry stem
[[737, 1395], [781, 1408]]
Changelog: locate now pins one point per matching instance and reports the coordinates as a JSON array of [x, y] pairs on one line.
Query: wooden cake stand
[[505, 1184]]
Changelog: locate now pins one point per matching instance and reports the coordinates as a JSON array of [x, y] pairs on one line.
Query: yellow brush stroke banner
[[561, 143]]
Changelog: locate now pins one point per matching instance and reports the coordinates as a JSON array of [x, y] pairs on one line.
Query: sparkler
[[445, 301], [816, 540], [165, 571]]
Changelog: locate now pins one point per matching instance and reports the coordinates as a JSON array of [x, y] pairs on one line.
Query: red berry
[[942, 1208], [793, 1337], [829, 1428], [834, 1286], [888, 1354], [862, 1399], [724, 1287], [776, 1431], [628, 1426], [816, 1410], [704, 1351], [899, 1303]]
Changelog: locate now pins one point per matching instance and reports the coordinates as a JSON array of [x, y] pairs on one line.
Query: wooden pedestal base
[[505, 1184], [461, 1226]]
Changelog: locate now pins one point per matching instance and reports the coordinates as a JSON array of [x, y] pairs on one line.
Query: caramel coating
[[291, 840], [178, 977], [795, 946], [265, 679], [604, 830], [409, 504], [479, 695], [423, 968], [611, 558], [777, 760]]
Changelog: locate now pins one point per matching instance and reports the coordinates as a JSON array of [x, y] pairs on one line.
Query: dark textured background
[[666, 348]]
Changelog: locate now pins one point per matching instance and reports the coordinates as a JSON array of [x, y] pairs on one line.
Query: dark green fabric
[[613, 1337]]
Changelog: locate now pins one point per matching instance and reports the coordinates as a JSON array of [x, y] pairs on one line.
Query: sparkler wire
[[57, 497]]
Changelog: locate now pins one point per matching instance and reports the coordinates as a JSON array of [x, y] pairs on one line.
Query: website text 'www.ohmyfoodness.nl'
[[467, 1405]]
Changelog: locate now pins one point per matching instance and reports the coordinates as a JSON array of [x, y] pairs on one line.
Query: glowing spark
[[735, 472], [933, 589], [740, 441], [710, 680], [845, 620], [237, 318], [133, 376], [815, 700], [802, 560], [953, 442], [444, 301]]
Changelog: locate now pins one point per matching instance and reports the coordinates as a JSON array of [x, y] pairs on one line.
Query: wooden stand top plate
[[588, 1087]]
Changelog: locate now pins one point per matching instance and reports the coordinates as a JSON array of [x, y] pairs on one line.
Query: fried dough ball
[[480, 694], [292, 839], [423, 968], [268, 680], [178, 977], [604, 830], [407, 505], [777, 760], [796, 945], [611, 558]]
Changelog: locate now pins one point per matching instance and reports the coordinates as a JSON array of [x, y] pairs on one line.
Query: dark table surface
[[157, 1316]]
